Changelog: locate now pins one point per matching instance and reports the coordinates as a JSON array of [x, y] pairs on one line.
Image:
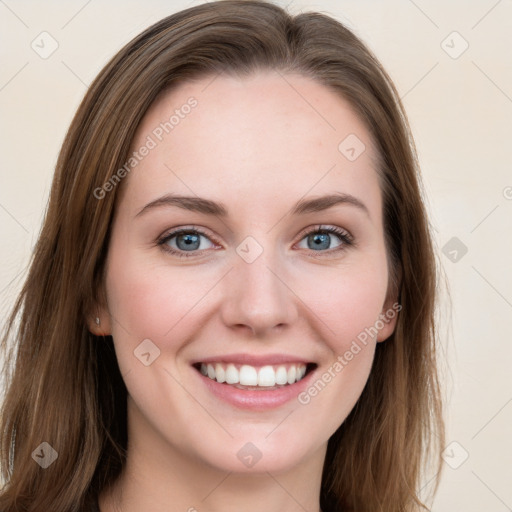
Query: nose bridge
[[256, 295]]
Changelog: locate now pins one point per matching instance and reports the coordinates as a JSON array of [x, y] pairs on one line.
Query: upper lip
[[254, 360]]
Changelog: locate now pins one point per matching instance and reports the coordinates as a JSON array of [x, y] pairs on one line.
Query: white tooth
[[266, 376], [299, 373], [220, 374], [281, 376], [302, 371], [211, 371], [204, 370], [292, 372], [248, 376], [232, 376]]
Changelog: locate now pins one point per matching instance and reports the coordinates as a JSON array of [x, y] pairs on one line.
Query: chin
[[259, 453]]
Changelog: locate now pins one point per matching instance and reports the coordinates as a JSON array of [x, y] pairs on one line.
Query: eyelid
[[326, 228], [184, 229]]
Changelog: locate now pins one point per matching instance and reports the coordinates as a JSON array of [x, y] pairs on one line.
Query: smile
[[252, 377], [255, 382]]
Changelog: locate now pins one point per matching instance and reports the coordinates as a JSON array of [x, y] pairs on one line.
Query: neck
[[160, 477]]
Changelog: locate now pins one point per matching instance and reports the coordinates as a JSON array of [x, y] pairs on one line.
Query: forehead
[[267, 134]]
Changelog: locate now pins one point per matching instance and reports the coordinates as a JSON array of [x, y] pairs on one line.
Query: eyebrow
[[209, 207]]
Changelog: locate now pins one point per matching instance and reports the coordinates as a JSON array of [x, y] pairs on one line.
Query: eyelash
[[345, 237]]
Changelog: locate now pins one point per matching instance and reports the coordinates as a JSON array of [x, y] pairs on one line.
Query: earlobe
[[99, 325], [388, 317], [387, 320]]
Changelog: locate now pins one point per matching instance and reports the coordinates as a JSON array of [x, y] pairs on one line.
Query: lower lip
[[255, 399]]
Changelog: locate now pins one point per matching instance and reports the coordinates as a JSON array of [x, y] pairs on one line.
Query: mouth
[[254, 382], [255, 377]]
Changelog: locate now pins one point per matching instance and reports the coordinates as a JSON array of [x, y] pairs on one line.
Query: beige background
[[460, 110]]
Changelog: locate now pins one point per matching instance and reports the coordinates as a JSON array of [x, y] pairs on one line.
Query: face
[[280, 301]]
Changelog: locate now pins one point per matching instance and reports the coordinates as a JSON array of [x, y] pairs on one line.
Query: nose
[[257, 297]]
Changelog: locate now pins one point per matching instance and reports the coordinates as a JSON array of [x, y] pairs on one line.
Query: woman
[[231, 303]]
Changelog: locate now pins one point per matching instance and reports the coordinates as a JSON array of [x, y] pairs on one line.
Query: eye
[[185, 240], [320, 239]]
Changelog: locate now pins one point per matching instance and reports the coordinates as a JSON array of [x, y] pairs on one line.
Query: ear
[[389, 317], [99, 322], [391, 308], [98, 315]]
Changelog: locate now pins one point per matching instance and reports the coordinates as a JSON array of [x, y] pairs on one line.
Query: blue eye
[[320, 238], [181, 241], [187, 242]]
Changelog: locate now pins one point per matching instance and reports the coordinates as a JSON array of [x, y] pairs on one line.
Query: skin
[[258, 145]]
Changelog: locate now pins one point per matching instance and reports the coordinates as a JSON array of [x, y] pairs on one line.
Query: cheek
[[347, 300], [348, 306], [153, 301], [347, 303]]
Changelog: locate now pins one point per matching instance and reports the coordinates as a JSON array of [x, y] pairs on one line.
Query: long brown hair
[[64, 385]]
